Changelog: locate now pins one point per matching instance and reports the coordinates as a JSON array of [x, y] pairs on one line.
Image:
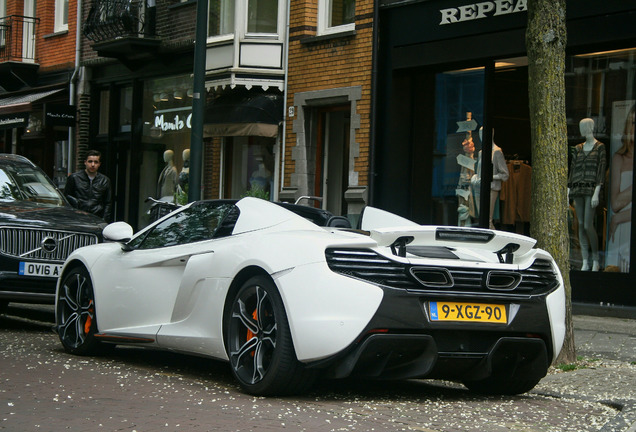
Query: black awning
[[240, 113]]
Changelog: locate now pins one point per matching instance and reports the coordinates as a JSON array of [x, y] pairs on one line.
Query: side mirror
[[118, 232]]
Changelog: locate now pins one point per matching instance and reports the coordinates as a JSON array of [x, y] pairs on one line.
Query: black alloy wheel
[[76, 324], [259, 342]]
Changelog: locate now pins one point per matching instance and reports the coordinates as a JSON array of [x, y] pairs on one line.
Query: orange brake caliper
[[250, 334], [89, 319]]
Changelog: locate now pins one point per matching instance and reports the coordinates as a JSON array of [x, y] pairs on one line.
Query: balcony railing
[[17, 38], [113, 19]]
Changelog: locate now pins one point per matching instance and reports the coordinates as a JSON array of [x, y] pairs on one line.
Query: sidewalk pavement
[[605, 370]]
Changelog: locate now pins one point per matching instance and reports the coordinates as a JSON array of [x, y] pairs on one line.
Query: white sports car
[[284, 300]]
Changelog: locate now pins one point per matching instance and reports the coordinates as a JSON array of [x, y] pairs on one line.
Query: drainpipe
[[374, 100], [279, 180], [72, 90]]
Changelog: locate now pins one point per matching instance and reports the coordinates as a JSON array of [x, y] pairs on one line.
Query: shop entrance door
[[332, 157]]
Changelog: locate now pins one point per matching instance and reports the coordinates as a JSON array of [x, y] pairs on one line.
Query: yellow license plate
[[468, 312]]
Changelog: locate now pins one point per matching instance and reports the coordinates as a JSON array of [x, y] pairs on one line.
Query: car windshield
[[26, 183]]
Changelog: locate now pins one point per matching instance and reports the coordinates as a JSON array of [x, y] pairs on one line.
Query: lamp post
[[198, 102]]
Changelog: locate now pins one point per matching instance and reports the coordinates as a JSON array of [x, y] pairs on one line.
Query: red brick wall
[[55, 51]]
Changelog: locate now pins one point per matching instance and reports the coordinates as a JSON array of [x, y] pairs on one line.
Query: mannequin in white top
[[167, 182], [585, 188]]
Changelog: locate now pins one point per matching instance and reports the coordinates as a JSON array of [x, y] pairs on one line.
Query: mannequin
[[185, 171], [499, 175], [167, 182], [261, 177], [587, 173]]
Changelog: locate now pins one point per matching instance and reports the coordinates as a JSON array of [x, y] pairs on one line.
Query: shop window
[[336, 16], [125, 109], [248, 167], [220, 17], [262, 16], [104, 103], [61, 15], [600, 113], [165, 159], [459, 97]]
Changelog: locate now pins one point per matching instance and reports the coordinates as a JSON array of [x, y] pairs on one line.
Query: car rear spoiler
[[392, 230]]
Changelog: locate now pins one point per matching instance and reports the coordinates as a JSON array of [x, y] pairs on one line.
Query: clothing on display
[[516, 193]]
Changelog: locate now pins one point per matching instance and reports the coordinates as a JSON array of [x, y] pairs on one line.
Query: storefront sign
[[10, 121], [480, 10], [173, 119], [59, 115]]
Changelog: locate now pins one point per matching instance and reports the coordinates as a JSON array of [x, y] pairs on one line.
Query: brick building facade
[[328, 124], [37, 63]]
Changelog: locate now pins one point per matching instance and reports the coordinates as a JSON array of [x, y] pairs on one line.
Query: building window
[[61, 15], [3, 28], [336, 16], [262, 16], [104, 103], [221, 17]]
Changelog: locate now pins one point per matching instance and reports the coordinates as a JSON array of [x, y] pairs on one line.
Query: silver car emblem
[[49, 244]]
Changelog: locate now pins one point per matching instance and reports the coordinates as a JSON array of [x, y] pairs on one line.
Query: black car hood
[[65, 218]]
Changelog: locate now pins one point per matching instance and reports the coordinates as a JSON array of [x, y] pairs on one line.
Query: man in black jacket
[[90, 190]]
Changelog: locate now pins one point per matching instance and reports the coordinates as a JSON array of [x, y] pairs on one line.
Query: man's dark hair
[[93, 153]]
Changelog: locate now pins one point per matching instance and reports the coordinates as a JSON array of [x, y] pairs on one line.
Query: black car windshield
[[25, 183]]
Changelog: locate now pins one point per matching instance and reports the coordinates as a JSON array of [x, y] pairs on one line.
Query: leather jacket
[[93, 197]]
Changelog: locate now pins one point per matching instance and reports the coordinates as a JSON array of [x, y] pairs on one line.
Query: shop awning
[[244, 114], [22, 102]]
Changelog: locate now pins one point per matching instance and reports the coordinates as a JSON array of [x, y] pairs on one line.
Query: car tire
[[259, 342], [76, 323], [501, 385]]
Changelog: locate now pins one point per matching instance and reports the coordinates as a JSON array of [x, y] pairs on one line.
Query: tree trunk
[[545, 42]]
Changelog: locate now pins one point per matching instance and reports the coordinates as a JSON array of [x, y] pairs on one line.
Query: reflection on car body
[[285, 298]]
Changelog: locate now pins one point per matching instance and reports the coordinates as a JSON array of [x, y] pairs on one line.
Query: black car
[[38, 230]]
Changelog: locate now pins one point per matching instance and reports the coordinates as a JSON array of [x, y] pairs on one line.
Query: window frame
[[324, 11], [223, 36], [61, 13], [279, 24], [3, 13]]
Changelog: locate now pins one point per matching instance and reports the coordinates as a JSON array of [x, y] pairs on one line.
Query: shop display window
[[248, 167], [459, 97], [104, 103], [125, 109], [600, 113], [165, 161], [600, 105]]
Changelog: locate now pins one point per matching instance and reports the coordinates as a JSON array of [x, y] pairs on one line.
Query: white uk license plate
[[39, 269]]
